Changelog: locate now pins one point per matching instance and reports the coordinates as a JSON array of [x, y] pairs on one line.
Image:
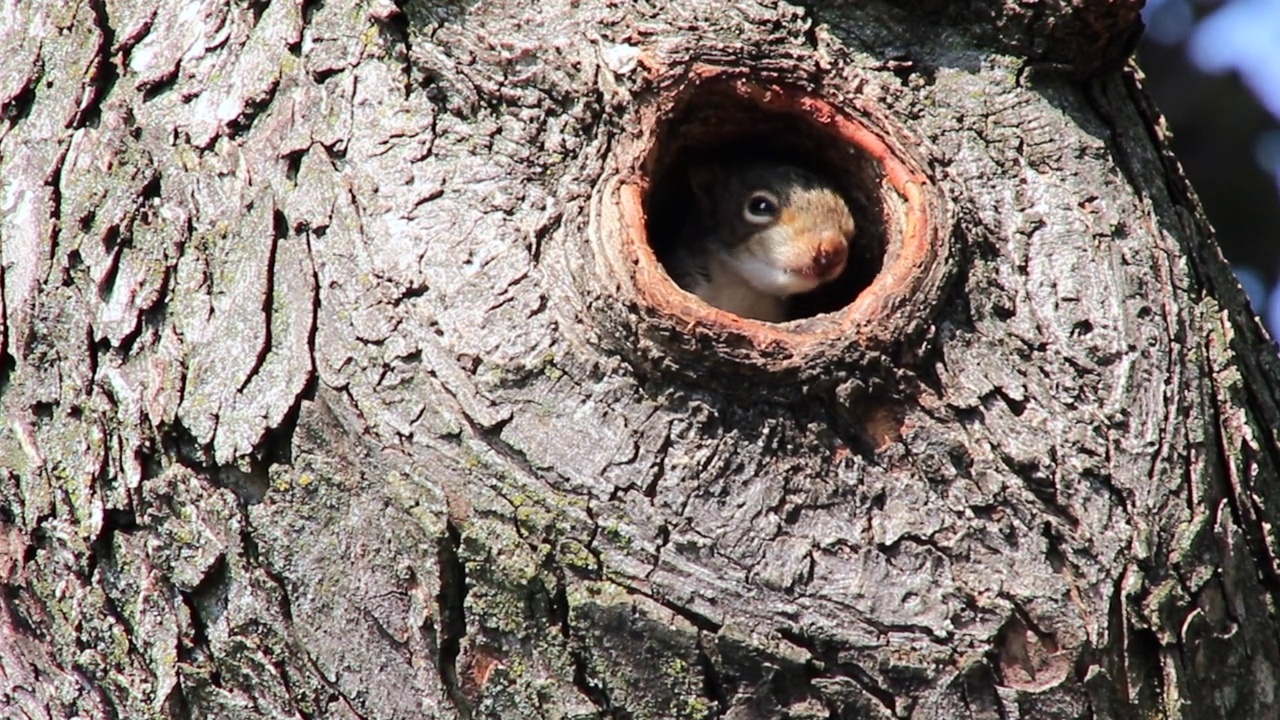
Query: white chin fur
[[770, 279]]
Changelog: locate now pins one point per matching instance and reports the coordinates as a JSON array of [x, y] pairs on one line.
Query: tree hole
[[716, 124], [899, 261]]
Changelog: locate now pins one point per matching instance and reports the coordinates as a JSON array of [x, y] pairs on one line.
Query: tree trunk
[[341, 377]]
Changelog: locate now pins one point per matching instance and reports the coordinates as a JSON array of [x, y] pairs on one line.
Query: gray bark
[[337, 383]]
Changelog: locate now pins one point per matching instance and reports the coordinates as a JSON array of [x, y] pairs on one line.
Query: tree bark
[[341, 379]]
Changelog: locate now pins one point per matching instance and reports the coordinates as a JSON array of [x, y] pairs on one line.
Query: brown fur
[[751, 269]]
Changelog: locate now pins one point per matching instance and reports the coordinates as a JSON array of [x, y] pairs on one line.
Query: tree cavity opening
[[901, 256], [717, 123]]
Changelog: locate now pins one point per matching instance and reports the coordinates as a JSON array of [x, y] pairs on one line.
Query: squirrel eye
[[761, 208]]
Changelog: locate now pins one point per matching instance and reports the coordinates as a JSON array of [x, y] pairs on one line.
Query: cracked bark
[[317, 404]]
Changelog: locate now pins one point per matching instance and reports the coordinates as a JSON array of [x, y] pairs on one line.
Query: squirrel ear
[[705, 179]]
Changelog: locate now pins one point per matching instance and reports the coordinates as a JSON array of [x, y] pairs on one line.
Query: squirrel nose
[[829, 259]]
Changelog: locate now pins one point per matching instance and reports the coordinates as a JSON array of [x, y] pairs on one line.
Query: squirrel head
[[784, 230]]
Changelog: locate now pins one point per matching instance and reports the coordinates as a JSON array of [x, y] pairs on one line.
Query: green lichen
[[549, 367], [471, 461], [573, 554], [532, 519], [614, 532]]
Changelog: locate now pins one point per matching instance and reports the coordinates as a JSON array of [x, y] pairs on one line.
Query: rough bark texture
[[322, 397]]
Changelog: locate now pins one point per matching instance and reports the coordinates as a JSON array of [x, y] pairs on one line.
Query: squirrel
[[758, 234]]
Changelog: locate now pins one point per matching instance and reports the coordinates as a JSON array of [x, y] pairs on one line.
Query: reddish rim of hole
[[873, 319]]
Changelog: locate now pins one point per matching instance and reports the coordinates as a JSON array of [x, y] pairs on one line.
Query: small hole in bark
[[719, 126], [19, 105], [292, 164]]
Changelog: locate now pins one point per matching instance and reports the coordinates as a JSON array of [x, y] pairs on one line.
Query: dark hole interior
[[715, 124]]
